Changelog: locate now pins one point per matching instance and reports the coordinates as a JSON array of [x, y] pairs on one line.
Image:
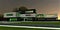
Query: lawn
[[39, 22], [34, 22]]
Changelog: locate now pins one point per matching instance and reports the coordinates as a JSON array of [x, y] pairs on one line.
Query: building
[[47, 17], [28, 15]]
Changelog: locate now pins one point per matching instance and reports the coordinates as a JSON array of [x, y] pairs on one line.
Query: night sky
[[42, 6]]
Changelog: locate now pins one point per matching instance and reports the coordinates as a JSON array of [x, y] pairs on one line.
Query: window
[[9, 14], [40, 15]]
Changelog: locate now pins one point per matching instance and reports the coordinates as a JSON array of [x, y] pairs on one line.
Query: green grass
[[35, 22], [39, 22], [14, 28]]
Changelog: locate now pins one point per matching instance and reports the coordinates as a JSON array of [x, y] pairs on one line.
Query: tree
[[22, 9]]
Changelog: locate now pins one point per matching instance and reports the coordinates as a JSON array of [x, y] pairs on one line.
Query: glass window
[[9, 14], [40, 15]]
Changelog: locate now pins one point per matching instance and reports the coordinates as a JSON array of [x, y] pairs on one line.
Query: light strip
[[29, 27]]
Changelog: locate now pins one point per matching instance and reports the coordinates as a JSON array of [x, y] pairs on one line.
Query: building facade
[[28, 15]]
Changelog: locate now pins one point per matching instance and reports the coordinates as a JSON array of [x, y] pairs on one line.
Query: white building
[[28, 15]]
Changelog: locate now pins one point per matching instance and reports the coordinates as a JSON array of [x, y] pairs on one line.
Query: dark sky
[[42, 6]]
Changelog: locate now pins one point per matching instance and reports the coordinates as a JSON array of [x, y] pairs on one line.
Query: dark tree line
[[22, 9]]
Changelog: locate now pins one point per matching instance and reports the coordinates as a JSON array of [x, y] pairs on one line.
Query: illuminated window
[[13, 19]]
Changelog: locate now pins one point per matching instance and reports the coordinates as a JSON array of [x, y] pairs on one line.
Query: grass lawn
[[39, 22], [35, 22], [14, 28]]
